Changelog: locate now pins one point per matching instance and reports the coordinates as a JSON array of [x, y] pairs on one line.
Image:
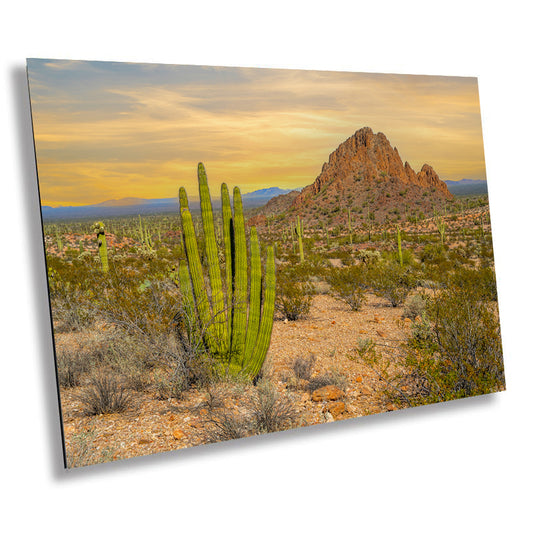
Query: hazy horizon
[[106, 130]]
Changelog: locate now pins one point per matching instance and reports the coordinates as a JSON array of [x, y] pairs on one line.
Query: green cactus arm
[[185, 286], [197, 279], [184, 201], [254, 312], [213, 265], [227, 231], [267, 317], [240, 280]]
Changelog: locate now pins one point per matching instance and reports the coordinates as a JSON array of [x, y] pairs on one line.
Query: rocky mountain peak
[[369, 156]]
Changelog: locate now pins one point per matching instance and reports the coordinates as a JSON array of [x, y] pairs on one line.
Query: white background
[[464, 466]]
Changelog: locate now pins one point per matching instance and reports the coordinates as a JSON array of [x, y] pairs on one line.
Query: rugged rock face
[[364, 182], [368, 156]]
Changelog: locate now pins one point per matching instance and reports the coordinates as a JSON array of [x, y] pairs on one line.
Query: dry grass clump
[[71, 366], [105, 394], [266, 410], [81, 450], [329, 377], [303, 367], [415, 305]]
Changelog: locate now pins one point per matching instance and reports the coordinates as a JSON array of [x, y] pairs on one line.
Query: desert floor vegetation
[[359, 329]]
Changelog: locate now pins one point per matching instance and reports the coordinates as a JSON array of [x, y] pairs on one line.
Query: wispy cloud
[[139, 130]]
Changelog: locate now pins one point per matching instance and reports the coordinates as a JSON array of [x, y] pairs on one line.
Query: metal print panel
[[238, 251]]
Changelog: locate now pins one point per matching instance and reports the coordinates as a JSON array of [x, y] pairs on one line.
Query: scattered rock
[[178, 434], [327, 393], [328, 417], [336, 408]]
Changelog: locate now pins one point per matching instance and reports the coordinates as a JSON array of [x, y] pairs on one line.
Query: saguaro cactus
[[300, 232], [350, 225], [236, 327], [326, 232], [59, 241], [400, 256], [99, 230], [441, 227]]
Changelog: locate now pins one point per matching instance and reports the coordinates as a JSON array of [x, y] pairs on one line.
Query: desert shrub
[[462, 355], [477, 281], [408, 258], [348, 285], [434, 254], [71, 366], [369, 256], [415, 305], [264, 410], [105, 394], [303, 367], [319, 285], [293, 297], [129, 356], [269, 410], [392, 282], [168, 383], [139, 304], [329, 377], [72, 308], [81, 450], [421, 332], [227, 425], [344, 255]]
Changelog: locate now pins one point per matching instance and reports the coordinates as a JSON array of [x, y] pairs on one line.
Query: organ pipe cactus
[[99, 230], [235, 324]]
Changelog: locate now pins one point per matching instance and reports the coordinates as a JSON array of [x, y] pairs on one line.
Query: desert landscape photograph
[[238, 251]]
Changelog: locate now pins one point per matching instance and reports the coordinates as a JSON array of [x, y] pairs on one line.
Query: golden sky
[[107, 130]]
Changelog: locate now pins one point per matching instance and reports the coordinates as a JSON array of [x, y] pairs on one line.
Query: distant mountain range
[[142, 206], [467, 187]]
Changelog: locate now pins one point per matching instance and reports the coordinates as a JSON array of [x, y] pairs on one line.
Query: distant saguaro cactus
[[236, 326], [99, 230], [350, 225], [441, 227], [325, 228], [59, 241], [400, 256], [300, 232]]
